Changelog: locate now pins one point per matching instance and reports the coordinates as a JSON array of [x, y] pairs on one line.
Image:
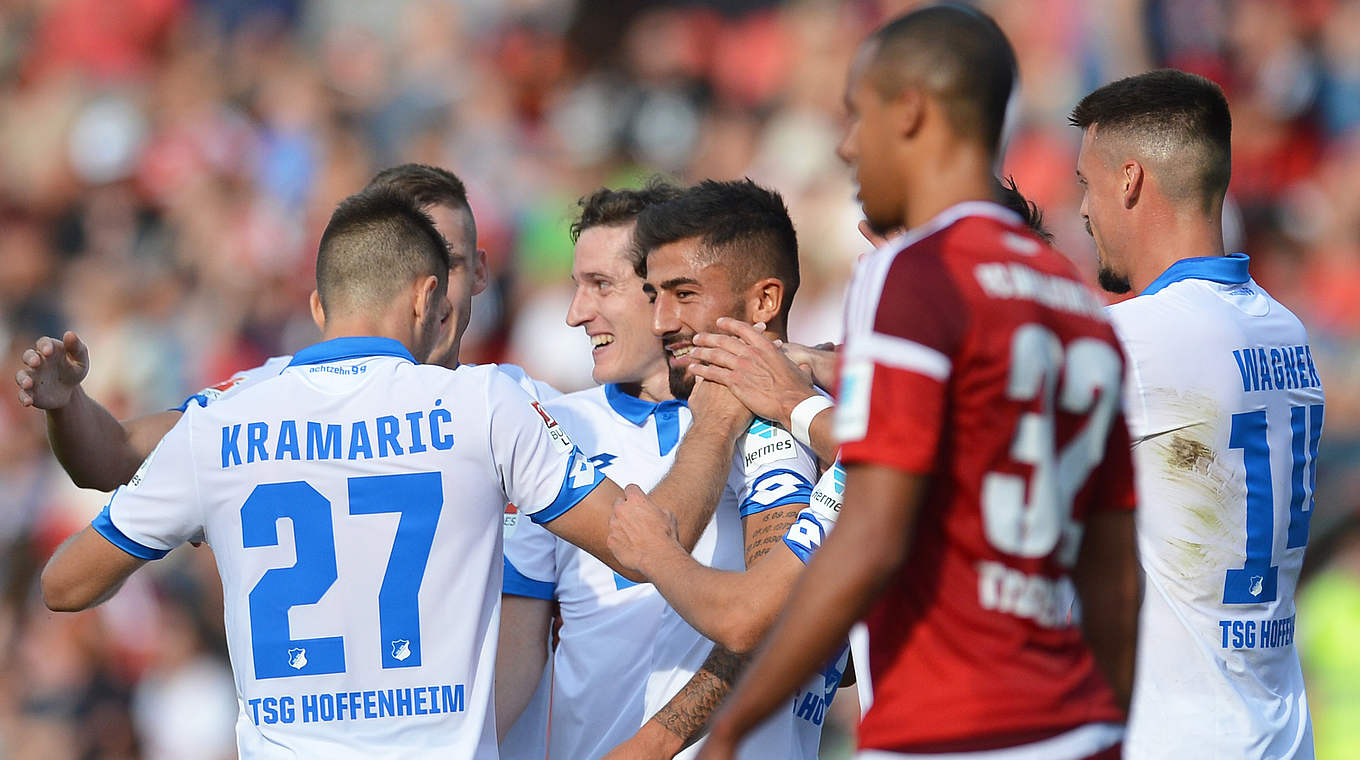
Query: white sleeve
[[537, 389], [530, 558], [159, 508], [776, 470], [813, 525], [541, 470], [236, 383]]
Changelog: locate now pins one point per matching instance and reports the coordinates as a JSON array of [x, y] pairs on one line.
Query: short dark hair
[[377, 242], [1169, 109], [957, 53], [609, 208], [743, 225], [1011, 198], [427, 186]]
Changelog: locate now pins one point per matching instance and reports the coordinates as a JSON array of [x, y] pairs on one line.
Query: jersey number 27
[[417, 497]]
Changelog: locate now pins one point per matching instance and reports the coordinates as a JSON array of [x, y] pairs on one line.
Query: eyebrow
[[676, 282]]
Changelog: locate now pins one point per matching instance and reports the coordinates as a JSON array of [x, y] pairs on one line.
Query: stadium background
[[166, 167]]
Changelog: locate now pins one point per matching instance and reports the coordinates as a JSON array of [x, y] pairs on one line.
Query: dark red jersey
[[975, 355]]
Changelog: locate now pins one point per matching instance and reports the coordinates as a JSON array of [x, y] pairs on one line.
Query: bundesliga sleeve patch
[[852, 406], [561, 441]]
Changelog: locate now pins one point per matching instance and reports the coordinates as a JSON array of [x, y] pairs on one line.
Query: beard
[[681, 382], [1113, 282]]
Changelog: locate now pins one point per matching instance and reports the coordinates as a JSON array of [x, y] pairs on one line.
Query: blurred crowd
[[166, 168]]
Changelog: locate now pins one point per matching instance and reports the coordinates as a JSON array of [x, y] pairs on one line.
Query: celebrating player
[[988, 483], [353, 429], [630, 426], [1225, 407], [100, 452]]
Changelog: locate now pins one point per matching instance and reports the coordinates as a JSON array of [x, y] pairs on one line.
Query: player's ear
[[427, 298], [1131, 182], [479, 275], [764, 300], [908, 109], [318, 313]]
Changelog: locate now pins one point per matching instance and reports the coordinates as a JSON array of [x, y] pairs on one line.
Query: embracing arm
[[84, 571], [94, 448], [869, 544], [683, 719]]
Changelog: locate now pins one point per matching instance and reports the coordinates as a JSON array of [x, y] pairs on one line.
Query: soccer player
[[987, 477], [725, 249], [353, 443], [779, 381], [630, 426], [100, 452], [1225, 408]]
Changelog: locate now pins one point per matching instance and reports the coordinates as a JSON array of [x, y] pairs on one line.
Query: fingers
[[25, 382], [725, 342], [632, 491], [76, 350], [32, 358], [47, 346], [751, 335], [715, 356], [718, 374]]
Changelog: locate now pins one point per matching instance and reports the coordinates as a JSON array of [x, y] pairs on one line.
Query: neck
[[1170, 235], [364, 326], [655, 388], [949, 174]]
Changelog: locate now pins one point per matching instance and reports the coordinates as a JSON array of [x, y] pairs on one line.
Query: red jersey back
[[975, 355]]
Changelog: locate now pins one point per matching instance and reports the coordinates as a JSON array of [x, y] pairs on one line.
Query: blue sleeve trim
[[804, 528], [776, 488], [518, 584], [582, 477], [197, 398], [104, 526]]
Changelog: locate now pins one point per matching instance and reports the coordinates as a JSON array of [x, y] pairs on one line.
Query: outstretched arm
[[734, 609], [94, 448], [84, 571], [690, 491], [844, 577]]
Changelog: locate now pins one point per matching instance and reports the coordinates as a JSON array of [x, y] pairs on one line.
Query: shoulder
[[536, 388], [590, 399]]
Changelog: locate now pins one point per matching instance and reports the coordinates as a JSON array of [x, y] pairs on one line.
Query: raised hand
[[818, 361], [53, 370], [753, 368]]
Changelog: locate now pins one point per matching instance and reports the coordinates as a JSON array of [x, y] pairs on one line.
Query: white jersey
[[603, 657], [353, 503], [769, 469], [1225, 409], [272, 366]]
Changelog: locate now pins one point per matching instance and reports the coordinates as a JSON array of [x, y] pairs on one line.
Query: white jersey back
[[1225, 409], [769, 469], [354, 504], [609, 624]]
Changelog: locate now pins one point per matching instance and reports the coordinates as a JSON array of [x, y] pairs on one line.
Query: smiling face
[[1101, 204], [467, 277], [611, 306], [689, 295]]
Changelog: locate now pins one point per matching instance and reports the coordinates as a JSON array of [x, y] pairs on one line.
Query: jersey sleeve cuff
[[197, 398], [519, 584], [104, 526], [582, 477]]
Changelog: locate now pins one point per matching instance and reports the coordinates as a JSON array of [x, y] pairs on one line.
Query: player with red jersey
[[989, 483]]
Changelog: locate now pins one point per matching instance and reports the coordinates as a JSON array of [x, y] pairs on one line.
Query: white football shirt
[[1225, 409], [353, 503], [603, 657], [769, 469]]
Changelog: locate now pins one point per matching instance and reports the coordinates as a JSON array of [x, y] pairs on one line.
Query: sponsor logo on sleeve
[[510, 521], [561, 441], [766, 443], [215, 392]]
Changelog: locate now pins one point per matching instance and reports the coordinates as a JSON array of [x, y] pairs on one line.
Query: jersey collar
[[636, 411], [1225, 270], [337, 349]]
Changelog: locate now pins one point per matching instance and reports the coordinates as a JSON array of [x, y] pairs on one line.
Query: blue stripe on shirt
[[104, 526], [518, 584]]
